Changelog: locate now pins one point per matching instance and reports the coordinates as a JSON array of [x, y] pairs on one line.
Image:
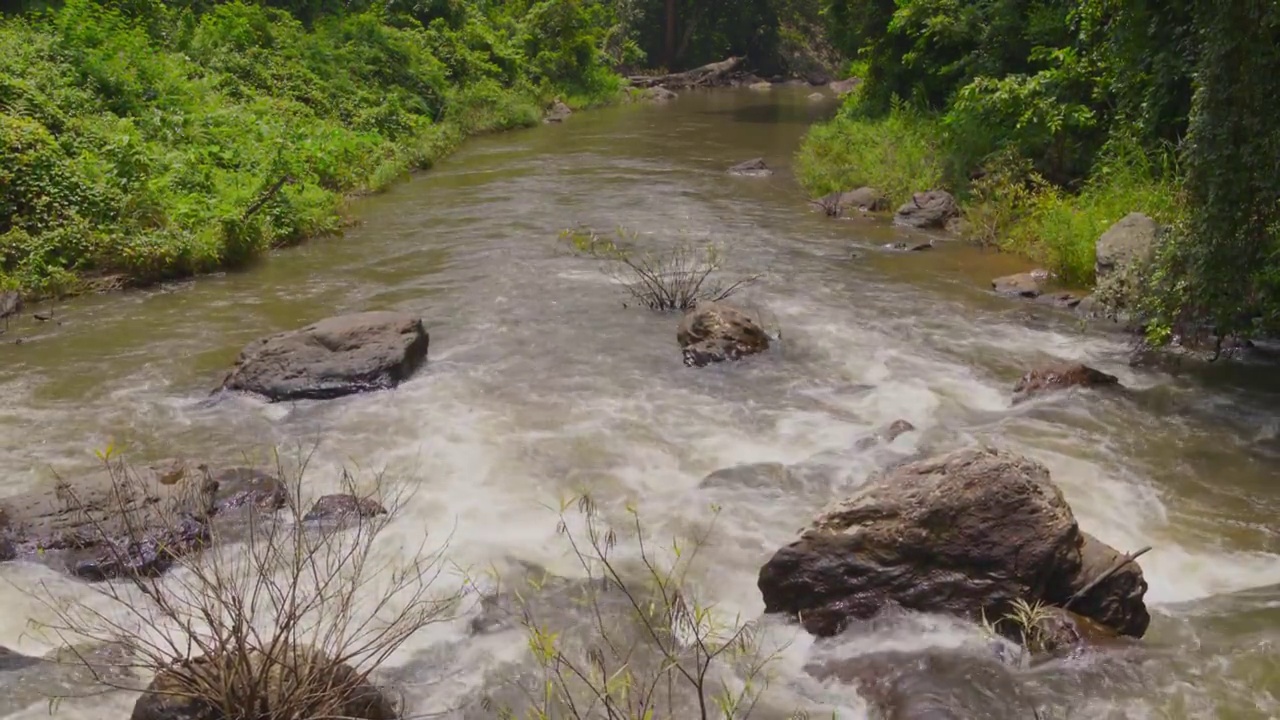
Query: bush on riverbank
[[1053, 89], [146, 140]]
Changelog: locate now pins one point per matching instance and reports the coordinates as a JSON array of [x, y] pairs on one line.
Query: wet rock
[[344, 506], [1130, 239], [98, 527], [885, 435], [1063, 299], [1026, 285], [558, 112], [864, 199], [762, 85], [334, 357], [962, 534], [817, 97], [910, 245], [931, 209], [1117, 601], [844, 87], [658, 94], [755, 167], [10, 303], [715, 332], [176, 694], [1060, 376]]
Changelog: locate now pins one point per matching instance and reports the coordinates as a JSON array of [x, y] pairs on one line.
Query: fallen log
[[697, 77]]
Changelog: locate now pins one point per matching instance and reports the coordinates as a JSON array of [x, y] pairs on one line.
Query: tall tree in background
[[669, 41]]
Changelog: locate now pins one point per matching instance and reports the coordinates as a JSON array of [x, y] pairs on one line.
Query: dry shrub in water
[[676, 278], [286, 620], [652, 650]]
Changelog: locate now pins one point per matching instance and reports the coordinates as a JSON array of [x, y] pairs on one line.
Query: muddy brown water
[[540, 382]]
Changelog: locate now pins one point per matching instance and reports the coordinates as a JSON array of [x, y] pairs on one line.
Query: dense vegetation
[[1054, 118], [145, 139]]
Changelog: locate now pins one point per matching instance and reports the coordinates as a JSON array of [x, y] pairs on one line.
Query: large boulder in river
[[334, 357], [964, 534], [1130, 240], [716, 331], [188, 690], [1060, 376], [931, 209]]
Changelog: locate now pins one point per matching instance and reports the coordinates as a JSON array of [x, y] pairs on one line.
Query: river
[[540, 381]]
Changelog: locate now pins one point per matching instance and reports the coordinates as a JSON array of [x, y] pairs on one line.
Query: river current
[[541, 381]]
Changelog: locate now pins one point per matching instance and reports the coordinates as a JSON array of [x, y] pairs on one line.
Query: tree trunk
[[669, 47]]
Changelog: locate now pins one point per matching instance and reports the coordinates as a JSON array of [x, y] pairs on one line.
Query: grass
[[145, 144], [899, 155]]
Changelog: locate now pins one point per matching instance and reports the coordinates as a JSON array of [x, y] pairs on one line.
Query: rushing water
[[540, 381]]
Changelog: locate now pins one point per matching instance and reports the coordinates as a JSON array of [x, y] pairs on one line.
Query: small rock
[[817, 97], [341, 506], [910, 246], [1064, 299], [334, 357], [864, 199], [886, 435], [658, 94], [1060, 377], [762, 85], [756, 476], [958, 226], [715, 332], [244, 487], [1130, 239], [931, 209], [558, 112], [1025, 285], [755, 167]]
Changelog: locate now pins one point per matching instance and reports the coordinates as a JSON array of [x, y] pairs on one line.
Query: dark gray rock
[[910, 245], [558, 112], [715, 332], [931, 210], [334, 357], [962, 534]]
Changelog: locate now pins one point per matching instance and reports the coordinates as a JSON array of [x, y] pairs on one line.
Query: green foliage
[[136, 137], [898, 154]]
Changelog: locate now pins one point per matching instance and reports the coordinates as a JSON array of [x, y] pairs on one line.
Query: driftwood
[[697, 77], [265, 198], [1110, 571]]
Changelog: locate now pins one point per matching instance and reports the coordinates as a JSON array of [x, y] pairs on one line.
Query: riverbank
[[142, 146], [1004, 203]]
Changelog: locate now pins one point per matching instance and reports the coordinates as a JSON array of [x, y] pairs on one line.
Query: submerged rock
[[931, 209], [910, 245], [338, 691], [1060, 376], [755, 167], [331, 358], [963, 534], [817, 97], [715, 332]]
